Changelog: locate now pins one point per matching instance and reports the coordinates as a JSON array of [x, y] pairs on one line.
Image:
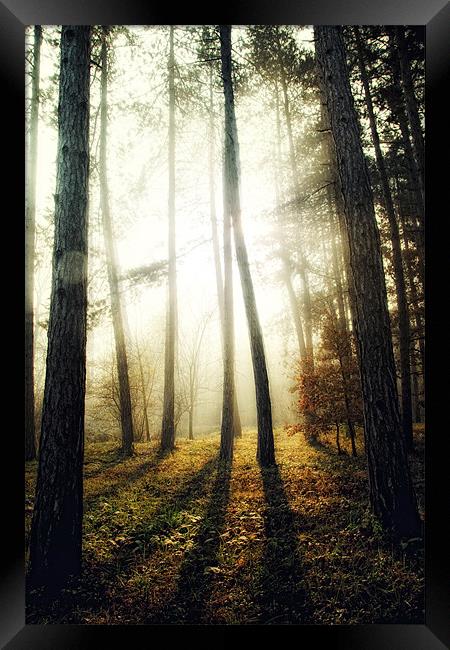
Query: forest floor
[[179, 539]]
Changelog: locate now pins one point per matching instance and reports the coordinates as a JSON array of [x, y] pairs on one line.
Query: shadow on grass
[[107, 460], [90, 590], [113, 487], [283, 597], [195, 580]]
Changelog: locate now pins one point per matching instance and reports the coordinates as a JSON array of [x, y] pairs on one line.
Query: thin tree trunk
[[391, 492], [168, 420], [30, 216], [397, 263], [228, 401], [411, 103], [293, 300], [55, 544], [286, 267], [126, 417], [343, 364], [144, 394], [413, 289], [416, 391], [265, 450], [342, 320], [397, 106], [191, 409], [337, 439], [331, 156], [295, 177], [216, 248]]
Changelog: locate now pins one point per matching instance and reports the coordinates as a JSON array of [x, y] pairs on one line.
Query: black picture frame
[[15, 15]]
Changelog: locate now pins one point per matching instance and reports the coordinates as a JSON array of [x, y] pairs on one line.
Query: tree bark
[[265, 449], [411, 104], [397, 106], [397, 263], [228, 401], [237, 427], [30, 233], [55, 544], [391, 492], [126, 417], [168, 420]]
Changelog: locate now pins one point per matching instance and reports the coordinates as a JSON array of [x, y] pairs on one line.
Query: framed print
[[198, 548]]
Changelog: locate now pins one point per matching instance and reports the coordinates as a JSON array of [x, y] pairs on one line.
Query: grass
[[182, 539]]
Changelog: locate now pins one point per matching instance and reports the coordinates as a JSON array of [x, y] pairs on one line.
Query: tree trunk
[[413, 288], [168, 420], [397, 263], [397, 106], [191, 413], [144, 394], [216, 248], [30, 215], [391, 492], [228, 401], [293, 300], [411, 104], [55, 544], [265, 450], [342, 320], [126, 417], [337, 439], [334, 176], [345, 351], [295, 177], [286, 267]]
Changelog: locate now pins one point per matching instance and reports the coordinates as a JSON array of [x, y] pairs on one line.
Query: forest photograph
[[225, 324]]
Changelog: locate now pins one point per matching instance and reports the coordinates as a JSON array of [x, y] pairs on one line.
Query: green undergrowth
[[183, 539]]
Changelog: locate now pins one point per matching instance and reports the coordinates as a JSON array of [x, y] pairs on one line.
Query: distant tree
[[265, 450], [168, 421], [30, 215], [190, 368], [329, 393], [322, 399], [237, 428], [391, 492], [112, 262], [275, 51], [55, 543]]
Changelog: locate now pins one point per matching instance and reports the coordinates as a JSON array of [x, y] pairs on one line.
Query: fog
[[138, 184]]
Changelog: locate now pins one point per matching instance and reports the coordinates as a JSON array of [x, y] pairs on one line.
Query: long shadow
[[195, 580], [95, 581], [283, 597], [106, 460], [114, 487]]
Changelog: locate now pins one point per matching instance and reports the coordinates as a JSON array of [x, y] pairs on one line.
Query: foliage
[[171, 539], [329, 393]]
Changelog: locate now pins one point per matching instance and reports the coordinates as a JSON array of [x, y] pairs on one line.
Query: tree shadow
[[107, 460], [113, 487], [195, 580], [92, 587], [283, 597]]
